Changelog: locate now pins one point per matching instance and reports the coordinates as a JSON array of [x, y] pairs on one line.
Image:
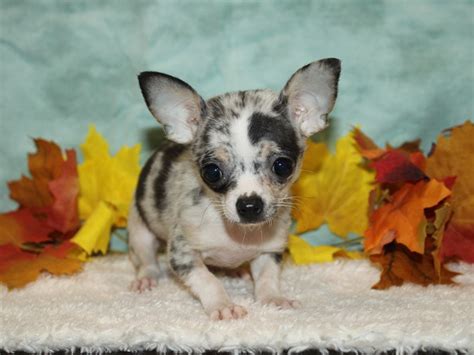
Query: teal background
[[408, 66]]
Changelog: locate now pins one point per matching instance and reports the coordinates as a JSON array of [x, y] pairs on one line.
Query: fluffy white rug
[[94, 311]]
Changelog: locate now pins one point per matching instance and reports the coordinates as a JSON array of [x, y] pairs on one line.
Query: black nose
[[249, 208]]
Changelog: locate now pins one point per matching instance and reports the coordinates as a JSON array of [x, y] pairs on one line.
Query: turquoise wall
[[407, 65]]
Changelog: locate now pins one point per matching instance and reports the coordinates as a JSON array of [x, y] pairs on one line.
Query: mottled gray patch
[[141, 186], [256, 100], [215, 108], [180, 255], [170, 154], [223, 109], [242, 96], [280, 106], [257, 166]]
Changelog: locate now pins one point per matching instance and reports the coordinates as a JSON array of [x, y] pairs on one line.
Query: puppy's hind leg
[[142, 245]]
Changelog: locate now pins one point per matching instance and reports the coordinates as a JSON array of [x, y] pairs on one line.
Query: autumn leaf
[[18, 268], [403, 218], [366, 146], [11, 253], [94, 235], [106, 184], [33, 238], [399, 264], [438, 226], [392, 165], [45, 165], [30, 193], [314, 156], [458, 243], [396, 166], [333, 189], [368, 149], [453, 155], [64, 215], [21, 226], [48, 200], [303, 253], [53, 189]]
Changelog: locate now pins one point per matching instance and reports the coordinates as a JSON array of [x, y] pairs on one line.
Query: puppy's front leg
[[188, 266], [266, 275]]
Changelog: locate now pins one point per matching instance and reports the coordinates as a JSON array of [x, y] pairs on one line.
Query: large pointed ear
[[310, 94], [174, 104]]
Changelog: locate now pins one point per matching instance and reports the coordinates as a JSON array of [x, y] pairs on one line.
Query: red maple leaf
[[458, 243], [34, 238], [396, 166]]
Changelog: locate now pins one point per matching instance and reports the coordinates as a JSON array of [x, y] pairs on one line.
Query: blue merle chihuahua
[[219, 193]]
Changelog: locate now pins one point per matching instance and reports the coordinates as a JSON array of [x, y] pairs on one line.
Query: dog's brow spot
[[275, 129]]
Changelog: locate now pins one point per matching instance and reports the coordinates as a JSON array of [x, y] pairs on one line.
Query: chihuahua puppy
[[219, 192]]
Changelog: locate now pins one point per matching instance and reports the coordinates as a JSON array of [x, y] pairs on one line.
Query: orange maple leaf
[[34, 238], [51, 193], [64, 214], [21, 226], [18, 268], [403, 217], [400, 264], [453, 155], [367, 148], [44, 166], [46, 163]]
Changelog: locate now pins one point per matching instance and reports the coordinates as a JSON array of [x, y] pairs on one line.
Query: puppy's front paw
[[143, 284], [281, 302], [228, 312]]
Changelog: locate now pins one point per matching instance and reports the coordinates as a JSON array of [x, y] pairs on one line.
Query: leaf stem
[[348, 242]]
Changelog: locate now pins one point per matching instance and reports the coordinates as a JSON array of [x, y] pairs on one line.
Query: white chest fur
[[228, 257], [229, 245]]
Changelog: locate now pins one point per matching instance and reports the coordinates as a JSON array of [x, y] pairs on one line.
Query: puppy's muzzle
[[250, 208]]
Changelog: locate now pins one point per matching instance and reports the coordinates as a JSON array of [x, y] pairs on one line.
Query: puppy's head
[[247, 145]]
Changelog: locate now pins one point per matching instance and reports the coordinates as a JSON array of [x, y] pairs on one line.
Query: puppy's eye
[[283, 167], [211, 173]]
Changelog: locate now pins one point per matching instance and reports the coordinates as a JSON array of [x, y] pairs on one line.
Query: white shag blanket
[[94, 311]]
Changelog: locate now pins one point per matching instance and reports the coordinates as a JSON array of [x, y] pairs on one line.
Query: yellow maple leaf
[[106, 186], [335, 190], [304, 253]]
